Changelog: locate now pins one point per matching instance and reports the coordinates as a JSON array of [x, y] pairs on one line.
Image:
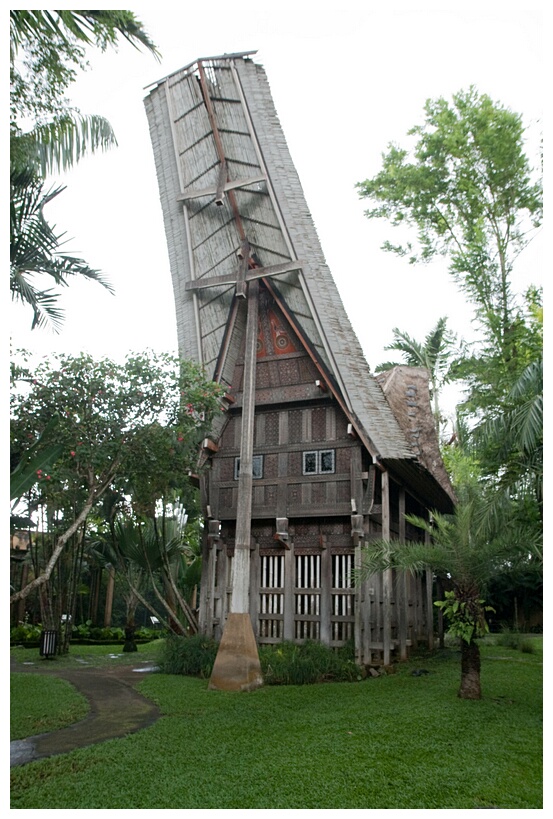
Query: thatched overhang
[[407, 393]]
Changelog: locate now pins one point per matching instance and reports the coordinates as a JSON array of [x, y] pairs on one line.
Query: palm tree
[[34, 251], [466, 557], [433, 354], [138, 553], [46, 47]]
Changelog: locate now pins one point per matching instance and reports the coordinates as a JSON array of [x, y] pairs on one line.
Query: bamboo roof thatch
[[225, 175]]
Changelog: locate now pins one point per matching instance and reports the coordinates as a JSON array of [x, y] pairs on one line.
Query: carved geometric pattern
[[225, 498], [261, 343], [295, 426], [318, 424], [295, 464], [283, 342], [271, 465], [263, 375], [294, 494], [288, 371], [270, 495], [271, 428], [226, 467]]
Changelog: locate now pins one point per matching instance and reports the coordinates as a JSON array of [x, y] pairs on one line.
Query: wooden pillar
[[387, 574], [429, 605], [326, 596], [359, 600], [241, 573], [289, 597], [255, 572], [237, 666], [402, 597]]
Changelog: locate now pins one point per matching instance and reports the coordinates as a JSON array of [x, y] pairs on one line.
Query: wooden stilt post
[[237, 666], [387, 574]]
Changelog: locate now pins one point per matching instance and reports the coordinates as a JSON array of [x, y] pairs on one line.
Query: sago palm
[[463, 554]]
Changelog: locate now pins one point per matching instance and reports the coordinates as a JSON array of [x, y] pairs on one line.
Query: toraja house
[[313, 455]]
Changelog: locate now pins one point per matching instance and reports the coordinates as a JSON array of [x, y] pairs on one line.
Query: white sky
[[346, 79]]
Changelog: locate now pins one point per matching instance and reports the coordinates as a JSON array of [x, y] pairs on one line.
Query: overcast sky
[[347, 78]]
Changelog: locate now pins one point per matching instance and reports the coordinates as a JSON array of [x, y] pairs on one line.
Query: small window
[[257, 467], [326, 460], [320, 462], [309, 463]]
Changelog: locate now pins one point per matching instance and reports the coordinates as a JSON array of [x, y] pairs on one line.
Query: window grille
[[343, 599], [308, 597], [319, 462], [271, 599]]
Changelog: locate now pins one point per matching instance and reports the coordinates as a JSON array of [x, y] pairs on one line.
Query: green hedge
[[283, 664]]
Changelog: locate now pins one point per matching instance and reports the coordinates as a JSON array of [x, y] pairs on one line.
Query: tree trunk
[[470, 671]]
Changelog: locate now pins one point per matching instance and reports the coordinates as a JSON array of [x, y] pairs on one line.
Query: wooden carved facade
[[332, 457]]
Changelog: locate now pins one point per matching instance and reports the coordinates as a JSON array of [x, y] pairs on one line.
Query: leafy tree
[[47, 133], [465, 555], [116, 421], [433, 354], [467, 192]]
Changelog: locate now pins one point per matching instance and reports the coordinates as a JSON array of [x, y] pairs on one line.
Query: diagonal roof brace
[[220, 190], [252, 273]]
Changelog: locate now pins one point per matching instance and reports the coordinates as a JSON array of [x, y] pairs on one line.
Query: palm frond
[[61, 143]]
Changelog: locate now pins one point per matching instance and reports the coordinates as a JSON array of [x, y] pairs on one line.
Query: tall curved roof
[[226, 176]]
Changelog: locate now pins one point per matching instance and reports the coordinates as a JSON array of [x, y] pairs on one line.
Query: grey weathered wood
[[387, 574], [249, 275], [326, 596], [241, 574], [216, 190], [402, 601]]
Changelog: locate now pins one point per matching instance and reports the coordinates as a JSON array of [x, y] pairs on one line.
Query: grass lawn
[[399, 741]]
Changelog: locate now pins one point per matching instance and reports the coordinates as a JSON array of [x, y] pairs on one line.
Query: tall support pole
[[387, 574], [237, 666], [402, 601], [241, 562]]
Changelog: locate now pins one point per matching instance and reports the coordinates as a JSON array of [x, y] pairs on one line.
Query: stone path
[[116, 710]]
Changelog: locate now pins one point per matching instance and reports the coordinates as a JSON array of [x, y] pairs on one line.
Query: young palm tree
[[461, 552]]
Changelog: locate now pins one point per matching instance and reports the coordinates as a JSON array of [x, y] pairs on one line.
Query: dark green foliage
[[192, 656], [283, 664], [292, 664]]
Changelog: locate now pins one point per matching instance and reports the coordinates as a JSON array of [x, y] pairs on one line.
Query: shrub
[[516, 641], [300, 664], [25, 632], [527, 646], [193, 656]]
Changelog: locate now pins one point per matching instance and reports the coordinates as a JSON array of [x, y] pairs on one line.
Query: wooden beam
[[386, 575], [220, 190], [250, 275], [241, 564]]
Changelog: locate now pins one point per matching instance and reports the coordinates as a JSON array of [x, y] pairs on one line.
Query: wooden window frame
[[257, 467], [318, 462]]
